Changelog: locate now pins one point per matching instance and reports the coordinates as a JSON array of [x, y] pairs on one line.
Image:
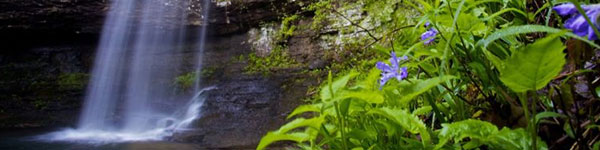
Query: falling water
[[132, 72]]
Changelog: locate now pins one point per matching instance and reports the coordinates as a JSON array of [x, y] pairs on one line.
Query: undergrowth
[[450, 74]]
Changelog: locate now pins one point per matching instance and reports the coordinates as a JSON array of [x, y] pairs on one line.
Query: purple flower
[[429, 35], [392, 71], [577, 22]]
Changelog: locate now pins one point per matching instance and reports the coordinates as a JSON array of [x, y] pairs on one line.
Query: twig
[[355, 24]]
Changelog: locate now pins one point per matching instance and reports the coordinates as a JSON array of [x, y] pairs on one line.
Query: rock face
[[24, 22], [43, 86], [50, 46], [243, 107]]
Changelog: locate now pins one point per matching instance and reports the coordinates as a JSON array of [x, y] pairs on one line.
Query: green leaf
[[406, 120], [283, 135], [305, 108], [273, 137], [524, 29], [335, 86], [367, 96], [422, 110], [370, 82], [417, 87], [497, 62], [457, 131], [567, 128], [484, 133], [598, 91], [547, 114], [301, 122], [514, 139], [533, 66]]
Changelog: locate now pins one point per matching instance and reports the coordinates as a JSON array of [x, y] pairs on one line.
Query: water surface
[[27, 139]]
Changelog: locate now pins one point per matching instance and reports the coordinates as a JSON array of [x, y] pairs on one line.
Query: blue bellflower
[[577, 22], [392, 71], [429, 36]]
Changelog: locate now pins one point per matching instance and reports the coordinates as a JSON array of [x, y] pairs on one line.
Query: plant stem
[[534, 122], [523, 99], [341, 122]]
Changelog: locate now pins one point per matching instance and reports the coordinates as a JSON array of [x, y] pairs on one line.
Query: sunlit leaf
[[367, 96], [533, 66], [417, 87], [273, 137], [406, 120], [305, 108], [335, 86]]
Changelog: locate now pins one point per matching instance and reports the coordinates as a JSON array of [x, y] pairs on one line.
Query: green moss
[[287, 28], [277, 59], [73, 80], [207, 72], [186, 81]]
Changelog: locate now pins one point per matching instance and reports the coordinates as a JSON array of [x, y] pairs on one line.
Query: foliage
[[287, 28], [186, 81], [533, 66], [277, 59], [490, 60], [73, 80]]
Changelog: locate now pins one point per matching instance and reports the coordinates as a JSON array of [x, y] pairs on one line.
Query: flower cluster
[[577, 22], [392, 71], [429, 36]]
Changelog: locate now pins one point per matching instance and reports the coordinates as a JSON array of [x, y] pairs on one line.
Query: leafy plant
[[533, 66], [186, 81], [73, 80], [477, 66], [277, 59]]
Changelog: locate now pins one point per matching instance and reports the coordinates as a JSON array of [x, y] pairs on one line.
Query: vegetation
[[463, 74], [73, 80], [276, 59], [186, 81]]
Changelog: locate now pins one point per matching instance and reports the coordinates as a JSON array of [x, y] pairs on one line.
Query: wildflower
[[392, 71], [577, 22], [429, 35]]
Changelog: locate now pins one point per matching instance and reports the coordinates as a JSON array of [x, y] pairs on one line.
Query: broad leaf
[[484, 133], [305, 108], [283, 135], [533, 66], [335, 86], [417, 87], [301, 122], [406, 120], [514, 139], [273, 137], [473, 129]]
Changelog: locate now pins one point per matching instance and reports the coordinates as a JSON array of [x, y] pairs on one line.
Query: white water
[[165, 127], [133, 69]]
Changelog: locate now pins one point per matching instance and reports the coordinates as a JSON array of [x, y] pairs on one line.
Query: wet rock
[[48, 38], [244, 107], [32, 91]]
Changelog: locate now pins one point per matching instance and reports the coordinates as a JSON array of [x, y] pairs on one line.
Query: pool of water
[[26, 139]]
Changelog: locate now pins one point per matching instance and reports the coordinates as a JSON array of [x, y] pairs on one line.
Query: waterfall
[[133, 69]]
